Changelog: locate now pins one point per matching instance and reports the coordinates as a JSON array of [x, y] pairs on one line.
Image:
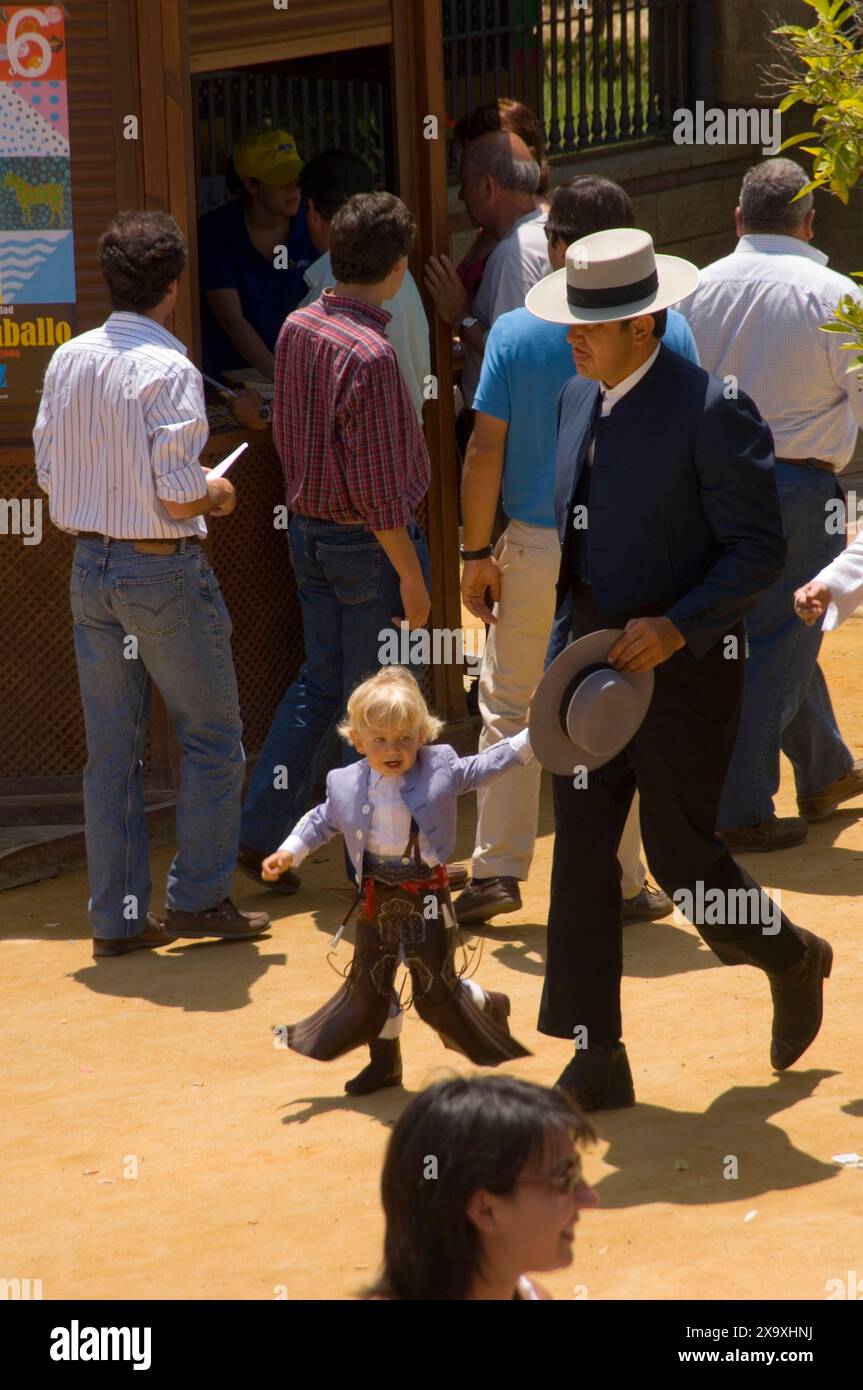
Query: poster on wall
[[37, 257]]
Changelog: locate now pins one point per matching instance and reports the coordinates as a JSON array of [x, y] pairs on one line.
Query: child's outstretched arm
[[840, 583], [311, 831], [480, 768]]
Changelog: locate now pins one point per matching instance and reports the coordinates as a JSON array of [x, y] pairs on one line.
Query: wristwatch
[[482, 554], [266, 412]]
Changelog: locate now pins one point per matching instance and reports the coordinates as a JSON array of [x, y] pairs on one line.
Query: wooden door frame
[[418, 88]]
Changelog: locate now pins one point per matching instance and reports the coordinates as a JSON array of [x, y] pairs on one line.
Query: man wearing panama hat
[[670, 528]]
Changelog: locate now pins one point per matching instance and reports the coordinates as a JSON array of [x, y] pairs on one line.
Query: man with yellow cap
[[253, 254]]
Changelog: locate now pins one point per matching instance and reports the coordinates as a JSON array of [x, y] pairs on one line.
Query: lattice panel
[[41, 728], [253, 563]]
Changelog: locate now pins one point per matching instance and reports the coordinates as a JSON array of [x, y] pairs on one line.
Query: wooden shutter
[[230, 33]]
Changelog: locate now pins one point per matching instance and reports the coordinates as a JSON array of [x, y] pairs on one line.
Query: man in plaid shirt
[[356, 466]]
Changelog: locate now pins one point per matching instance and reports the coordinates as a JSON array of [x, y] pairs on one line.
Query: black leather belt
[[144, 547]]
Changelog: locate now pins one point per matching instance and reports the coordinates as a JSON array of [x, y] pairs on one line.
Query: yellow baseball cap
[[268, 155]]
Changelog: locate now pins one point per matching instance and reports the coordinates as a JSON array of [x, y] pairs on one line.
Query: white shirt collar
[[612, 394], [777, 244], [146, 325]]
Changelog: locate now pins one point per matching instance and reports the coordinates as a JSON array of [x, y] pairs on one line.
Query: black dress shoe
[[798, 1002], [384, 1069], [484, 898], [153, 936], [249, 862], [599, 1078]]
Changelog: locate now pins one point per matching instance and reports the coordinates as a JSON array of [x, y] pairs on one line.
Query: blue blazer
[[684, 514], [430, 791]]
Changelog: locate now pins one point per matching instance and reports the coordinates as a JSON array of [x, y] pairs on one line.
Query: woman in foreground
[[481, 1182]]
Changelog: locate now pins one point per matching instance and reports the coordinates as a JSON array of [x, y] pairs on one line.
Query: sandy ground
[[156, 1144]]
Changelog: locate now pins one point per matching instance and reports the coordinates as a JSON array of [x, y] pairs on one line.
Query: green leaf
[[795, 139]]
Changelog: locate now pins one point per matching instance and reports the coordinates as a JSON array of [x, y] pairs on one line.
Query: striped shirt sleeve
[[43, 431], [376, 429], [177, 429]]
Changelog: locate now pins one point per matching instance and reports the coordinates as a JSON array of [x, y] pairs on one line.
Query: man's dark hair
[[370, 234], [484, 1131], [334, 176], [140, 254], [587, 204], [766, 196], [660, 322]]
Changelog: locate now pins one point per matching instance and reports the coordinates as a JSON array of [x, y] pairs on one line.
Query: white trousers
[[508, 808]]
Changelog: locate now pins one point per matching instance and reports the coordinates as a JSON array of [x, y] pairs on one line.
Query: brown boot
[[384, 1069], [151, 937], [224, 920]]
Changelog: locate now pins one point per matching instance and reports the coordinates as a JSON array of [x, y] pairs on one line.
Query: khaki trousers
[[507, 809]]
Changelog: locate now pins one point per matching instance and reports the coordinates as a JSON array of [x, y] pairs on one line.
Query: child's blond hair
[[391, 699]]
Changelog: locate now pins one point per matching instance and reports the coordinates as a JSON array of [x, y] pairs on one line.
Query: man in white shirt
[[121, 424], [500, 178], [757, 316], [327, 182]]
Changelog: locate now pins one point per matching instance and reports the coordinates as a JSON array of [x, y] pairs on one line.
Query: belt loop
[[183, 545]]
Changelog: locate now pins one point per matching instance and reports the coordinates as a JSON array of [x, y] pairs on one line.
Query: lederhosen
[[395, 913]]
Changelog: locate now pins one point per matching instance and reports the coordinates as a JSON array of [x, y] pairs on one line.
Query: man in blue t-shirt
[[527, 363], [252, 257]]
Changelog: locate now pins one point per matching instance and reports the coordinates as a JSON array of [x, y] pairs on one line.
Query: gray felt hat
[[583, 712]]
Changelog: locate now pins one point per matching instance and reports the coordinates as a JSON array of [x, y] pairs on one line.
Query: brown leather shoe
[[484, 898], [153, 936], [824, 803], [249, 862], [798, 1001], [224, 920], [774, 833], [647, 905]]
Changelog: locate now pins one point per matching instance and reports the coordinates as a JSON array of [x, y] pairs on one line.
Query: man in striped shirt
[[120, 427], [356, 467]]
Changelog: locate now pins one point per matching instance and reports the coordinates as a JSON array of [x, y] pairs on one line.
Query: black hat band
[[613, 297]]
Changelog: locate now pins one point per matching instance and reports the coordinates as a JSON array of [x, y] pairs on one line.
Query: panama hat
[[584, 712], [268, 155], [612, 275]]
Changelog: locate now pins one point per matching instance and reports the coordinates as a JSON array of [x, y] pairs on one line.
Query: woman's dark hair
[[370, 234], [587, 204], [140, 253], [507, 114], [334, 176], [454, 1138]]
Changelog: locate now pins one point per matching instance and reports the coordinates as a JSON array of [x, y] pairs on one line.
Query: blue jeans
[[786, 703], [142, 619], [349, 593]]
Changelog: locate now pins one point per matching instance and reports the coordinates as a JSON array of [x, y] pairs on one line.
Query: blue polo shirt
[[527, 363], [227, 260]]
